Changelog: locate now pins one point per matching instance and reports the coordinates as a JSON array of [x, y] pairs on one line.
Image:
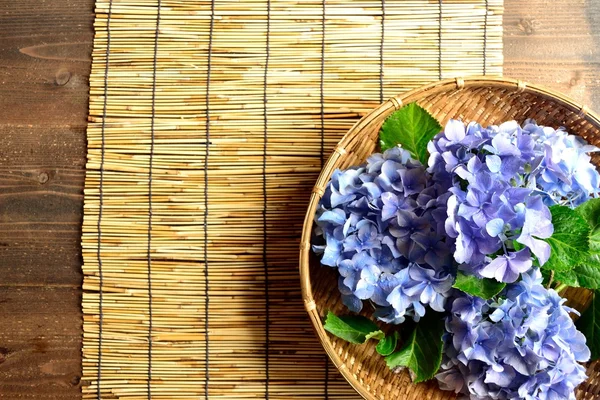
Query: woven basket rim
[[395, 103]]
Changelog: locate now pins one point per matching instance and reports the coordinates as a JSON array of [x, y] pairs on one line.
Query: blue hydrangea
[[522, 346], [396, 232], [503, 180], [382, 227]]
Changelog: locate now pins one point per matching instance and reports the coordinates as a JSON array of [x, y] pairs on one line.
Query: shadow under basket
[[487, 101]]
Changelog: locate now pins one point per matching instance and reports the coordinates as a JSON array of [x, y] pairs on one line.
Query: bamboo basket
[[481, 99]]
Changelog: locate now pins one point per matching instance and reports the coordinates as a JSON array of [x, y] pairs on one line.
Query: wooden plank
[[55, 17], [41, 180], [44, 79], [44, 67], [49, 160], [45, 52], [39, 343], [555, 43]]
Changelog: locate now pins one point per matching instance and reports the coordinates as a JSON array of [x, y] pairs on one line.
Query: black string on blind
[[485, 23], [264, 211], [440, 39], [101, 202], [381, 47], [151, 165], [206, 158], [326, 391], [323, 83], [322, 87]]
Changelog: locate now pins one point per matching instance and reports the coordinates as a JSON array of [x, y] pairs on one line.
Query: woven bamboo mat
[[209, 122]]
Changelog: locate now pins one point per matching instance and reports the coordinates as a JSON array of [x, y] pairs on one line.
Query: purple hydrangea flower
[[383, 229], [523, 346], [503, 180], [537, 225], [396, 232], [365, 238], [507, 267]]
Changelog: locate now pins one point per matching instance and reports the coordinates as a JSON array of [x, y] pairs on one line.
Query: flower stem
[[549, 285], [561, 287]]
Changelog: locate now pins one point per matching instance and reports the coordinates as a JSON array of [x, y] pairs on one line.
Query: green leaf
[[412, 127], [589, 325], [546, 275], [422, 353], [590, 211], [570, 240], [387, 345], [377, 335], [588, 273], [587, 276], [352, 328], [569, 278], [484, 288], [518, 246], [593, 259]]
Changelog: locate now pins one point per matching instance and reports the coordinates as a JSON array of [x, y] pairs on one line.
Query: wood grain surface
[[45, 60]]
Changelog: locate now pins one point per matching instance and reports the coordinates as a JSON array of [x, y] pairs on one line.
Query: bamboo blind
[[209, 122]]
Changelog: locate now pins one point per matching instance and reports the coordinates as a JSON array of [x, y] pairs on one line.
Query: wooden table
[[45, 51]]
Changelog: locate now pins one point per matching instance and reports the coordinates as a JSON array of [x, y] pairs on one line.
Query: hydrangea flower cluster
[[383, 228], [503, 180], [397, 232], [524, 346]]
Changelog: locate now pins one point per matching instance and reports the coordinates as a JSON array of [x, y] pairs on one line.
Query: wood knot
[[575, 79], [573, 82], [527, 25], [75, 380], [3, 354], [43, 177], [62, 77]]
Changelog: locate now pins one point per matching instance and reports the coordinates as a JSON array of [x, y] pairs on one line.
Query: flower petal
[[494, 227], [493, 162]]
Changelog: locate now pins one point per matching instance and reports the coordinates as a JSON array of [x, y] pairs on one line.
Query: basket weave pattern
[[485, 100]]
